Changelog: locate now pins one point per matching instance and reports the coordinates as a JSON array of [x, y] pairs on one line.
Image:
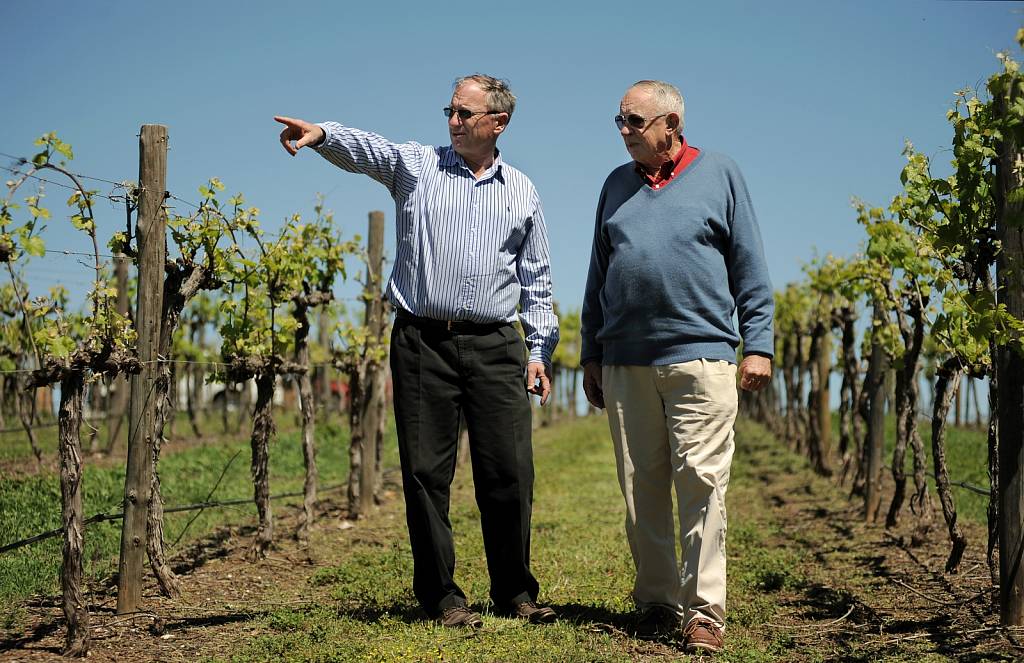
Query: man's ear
[[501, 123], [672, 122]]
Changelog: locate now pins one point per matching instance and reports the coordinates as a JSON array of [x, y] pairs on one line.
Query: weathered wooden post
[[150, 234], [375, 374], [1010, 365]]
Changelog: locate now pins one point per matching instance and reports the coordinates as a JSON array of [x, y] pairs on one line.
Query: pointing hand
[[300, 131]]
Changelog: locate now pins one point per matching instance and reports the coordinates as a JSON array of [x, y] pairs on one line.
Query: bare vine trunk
[[874, 389], [819, 425], [907, 395], [244, 401], [382, 424], [228, 392], [948, 374], [356, 397], [190, 401], [367, 421], [992, 550], [76, 614], [307, 405], [844, 319], [899, 454], [118, 412], [862, 416], [97, 404], [262, 431], [26, 415], [789, 370], [800, 370], [169, 584], [179, 287]]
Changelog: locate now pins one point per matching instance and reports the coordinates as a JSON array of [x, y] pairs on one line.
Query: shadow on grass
[[601, 618], [186, 623], [820, 603], [945, 634], [39, 632], [213, 546], [408, 613]]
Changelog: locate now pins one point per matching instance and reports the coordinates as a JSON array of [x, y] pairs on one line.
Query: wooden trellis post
[[152, 252], [1010, 368]]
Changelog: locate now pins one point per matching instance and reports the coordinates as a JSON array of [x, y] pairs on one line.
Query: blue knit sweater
[[670, 266]]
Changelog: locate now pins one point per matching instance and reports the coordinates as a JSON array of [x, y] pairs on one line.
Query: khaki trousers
[[673, 425]]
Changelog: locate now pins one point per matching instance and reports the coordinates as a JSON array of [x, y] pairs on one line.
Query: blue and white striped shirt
[[468, 249]]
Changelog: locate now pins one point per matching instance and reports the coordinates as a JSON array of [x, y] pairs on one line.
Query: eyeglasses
[[464, 113], [634, 121]]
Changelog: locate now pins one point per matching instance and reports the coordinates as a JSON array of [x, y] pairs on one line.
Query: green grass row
[[580, 558], [31, 505]]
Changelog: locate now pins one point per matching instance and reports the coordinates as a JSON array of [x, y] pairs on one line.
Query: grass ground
[[30, 503], [808, 581]]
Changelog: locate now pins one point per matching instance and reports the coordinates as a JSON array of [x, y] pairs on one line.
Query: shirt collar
[[667, 169], [453, 160]]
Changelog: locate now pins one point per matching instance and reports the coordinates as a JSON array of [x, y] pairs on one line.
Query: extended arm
[[395, 165]]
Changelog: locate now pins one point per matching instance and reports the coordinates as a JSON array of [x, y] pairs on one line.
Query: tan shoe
[[702, 635], [460, 616]]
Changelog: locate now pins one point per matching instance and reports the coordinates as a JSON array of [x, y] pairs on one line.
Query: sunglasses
[[464, 113], [634, 121]]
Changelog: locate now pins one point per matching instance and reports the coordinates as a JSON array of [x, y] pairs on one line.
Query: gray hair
[[666, 96], [499, 95]]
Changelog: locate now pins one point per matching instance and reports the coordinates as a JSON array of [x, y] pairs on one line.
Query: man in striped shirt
[[472, 246]]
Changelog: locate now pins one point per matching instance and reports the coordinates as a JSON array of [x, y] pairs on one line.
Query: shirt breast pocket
[[515, 228]]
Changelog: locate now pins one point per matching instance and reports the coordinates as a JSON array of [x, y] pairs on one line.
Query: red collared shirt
[[670, 169]]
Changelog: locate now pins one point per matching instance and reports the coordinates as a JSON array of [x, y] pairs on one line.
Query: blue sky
[[814, 100]]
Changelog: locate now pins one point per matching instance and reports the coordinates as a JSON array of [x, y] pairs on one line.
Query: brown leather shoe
[[702, 635], [657, 622], [533, 613], [460, 616]]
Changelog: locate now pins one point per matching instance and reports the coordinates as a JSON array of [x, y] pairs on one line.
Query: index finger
[[290, 121]]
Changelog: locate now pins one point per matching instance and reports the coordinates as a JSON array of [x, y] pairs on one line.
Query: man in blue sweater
[[676, 253]]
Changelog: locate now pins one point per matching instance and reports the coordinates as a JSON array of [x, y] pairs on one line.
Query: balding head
[[665, 98]]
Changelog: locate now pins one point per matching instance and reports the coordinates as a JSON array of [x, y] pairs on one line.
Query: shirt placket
[[472, 259]]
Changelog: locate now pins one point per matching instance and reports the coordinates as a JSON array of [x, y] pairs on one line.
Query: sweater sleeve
[[749, 281], [592, 316]]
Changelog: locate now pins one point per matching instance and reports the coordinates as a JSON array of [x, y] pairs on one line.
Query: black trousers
[[437, 375]]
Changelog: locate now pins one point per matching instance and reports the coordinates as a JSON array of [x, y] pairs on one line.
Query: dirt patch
[[869, 593]]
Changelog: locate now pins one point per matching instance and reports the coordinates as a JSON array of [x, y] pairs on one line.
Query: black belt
[[453, 326]]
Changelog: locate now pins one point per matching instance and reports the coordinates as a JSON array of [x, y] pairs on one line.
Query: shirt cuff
[[323, 141], [537, 354]]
